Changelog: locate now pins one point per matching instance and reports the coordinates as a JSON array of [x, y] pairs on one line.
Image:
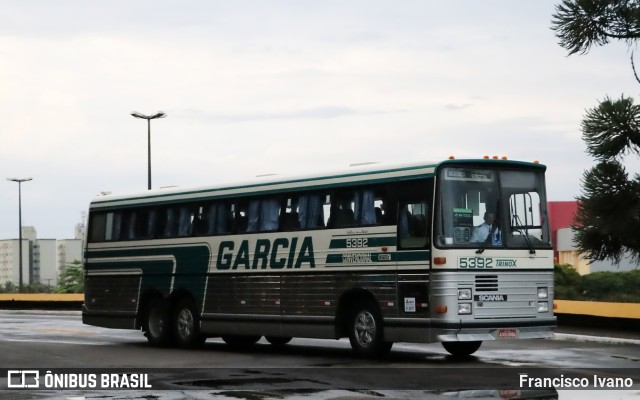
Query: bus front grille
[[486, 283]]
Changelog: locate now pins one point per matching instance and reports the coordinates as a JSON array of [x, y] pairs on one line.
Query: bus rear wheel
[[156, 323], [186, 325], [365, 332], [461, 349]]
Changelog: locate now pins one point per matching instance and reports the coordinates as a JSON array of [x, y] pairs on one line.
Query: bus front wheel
[[156, 323], [186, 325], [461, 349], [365, 332]]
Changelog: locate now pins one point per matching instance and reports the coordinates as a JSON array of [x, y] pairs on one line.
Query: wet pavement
[[309, 369]]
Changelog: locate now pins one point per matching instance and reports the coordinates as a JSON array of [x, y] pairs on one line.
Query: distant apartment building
[[42, 259], [562, 217], [9, 261]]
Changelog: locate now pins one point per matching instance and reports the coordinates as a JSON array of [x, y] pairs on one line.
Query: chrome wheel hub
[[365, 328]]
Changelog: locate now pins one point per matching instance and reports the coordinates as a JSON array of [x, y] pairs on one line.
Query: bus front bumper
[[487, 330]]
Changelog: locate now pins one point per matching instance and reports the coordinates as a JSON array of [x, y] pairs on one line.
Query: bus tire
[[186, 325], [278, 340], [240, 341], [156, 323], [461, 349], [366, 332]]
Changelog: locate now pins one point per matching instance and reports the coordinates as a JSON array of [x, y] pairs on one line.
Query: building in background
[[561, 218], [42, 259], [9, 261]]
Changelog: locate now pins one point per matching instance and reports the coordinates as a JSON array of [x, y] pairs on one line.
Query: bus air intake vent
[[486, 283]]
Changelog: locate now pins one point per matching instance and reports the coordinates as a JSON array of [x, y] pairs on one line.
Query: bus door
[[413, 255]]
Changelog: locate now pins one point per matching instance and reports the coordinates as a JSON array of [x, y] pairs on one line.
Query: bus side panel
[[290, 304], [242, 304], [111, 301], [118, 278]]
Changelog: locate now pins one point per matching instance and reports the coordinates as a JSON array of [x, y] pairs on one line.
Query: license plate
[[507, 334]]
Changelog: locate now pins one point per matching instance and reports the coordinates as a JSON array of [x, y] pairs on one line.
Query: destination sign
[[472, 175]]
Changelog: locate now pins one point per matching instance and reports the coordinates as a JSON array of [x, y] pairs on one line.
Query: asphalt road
[[304, 369]]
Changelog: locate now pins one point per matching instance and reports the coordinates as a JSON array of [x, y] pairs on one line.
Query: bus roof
[[357, 174]]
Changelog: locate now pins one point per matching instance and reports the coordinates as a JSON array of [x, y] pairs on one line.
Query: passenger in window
[[197, 225], [341, 214], [481, 232]]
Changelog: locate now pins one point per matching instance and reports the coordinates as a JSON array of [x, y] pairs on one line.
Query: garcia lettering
[[266, 254]]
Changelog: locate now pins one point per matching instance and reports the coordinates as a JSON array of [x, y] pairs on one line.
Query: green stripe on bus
[[413, 256], [191, 265]]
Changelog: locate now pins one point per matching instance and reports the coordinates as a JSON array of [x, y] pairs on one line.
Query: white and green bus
[[456, 252]]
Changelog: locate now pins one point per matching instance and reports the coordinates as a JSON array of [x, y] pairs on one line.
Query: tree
[[71, 279], [608, 216], [9, 287], [581, 24]]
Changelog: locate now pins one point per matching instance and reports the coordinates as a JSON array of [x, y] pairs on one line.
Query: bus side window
[[263, 215], [240, 217], [116, 226], [342, 215], [128, 223], [218, 217], [140, 231], [310, 212], [184, 221], [98, 227], [152, 223], [197, 222], [269, 215], [412, 225], [253, 216], [364, 206], [289, 215], [171, 223]]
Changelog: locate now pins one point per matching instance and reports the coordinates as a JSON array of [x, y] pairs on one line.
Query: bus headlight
[[464, 308], [543, 293], [543, 307], [464, 294]]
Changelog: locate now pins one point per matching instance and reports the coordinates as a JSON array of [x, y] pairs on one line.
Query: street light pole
[[159, 114], [19, 180]]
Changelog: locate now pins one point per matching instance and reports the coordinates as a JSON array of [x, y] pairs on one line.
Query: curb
[[587, 338]]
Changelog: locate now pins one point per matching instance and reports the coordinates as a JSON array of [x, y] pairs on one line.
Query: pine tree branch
[[633, 67]]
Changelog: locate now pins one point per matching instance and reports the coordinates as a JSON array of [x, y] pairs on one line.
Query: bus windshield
[[492, 208]]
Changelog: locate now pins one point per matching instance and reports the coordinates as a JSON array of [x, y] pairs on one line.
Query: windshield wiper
[[525, 235]]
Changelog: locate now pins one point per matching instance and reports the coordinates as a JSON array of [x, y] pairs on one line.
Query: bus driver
[[481, 232]]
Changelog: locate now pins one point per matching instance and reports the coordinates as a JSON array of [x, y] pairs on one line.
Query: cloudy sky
[[286, 87]]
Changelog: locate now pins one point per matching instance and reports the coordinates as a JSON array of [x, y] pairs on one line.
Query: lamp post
[[19, 180], [159, 114]]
